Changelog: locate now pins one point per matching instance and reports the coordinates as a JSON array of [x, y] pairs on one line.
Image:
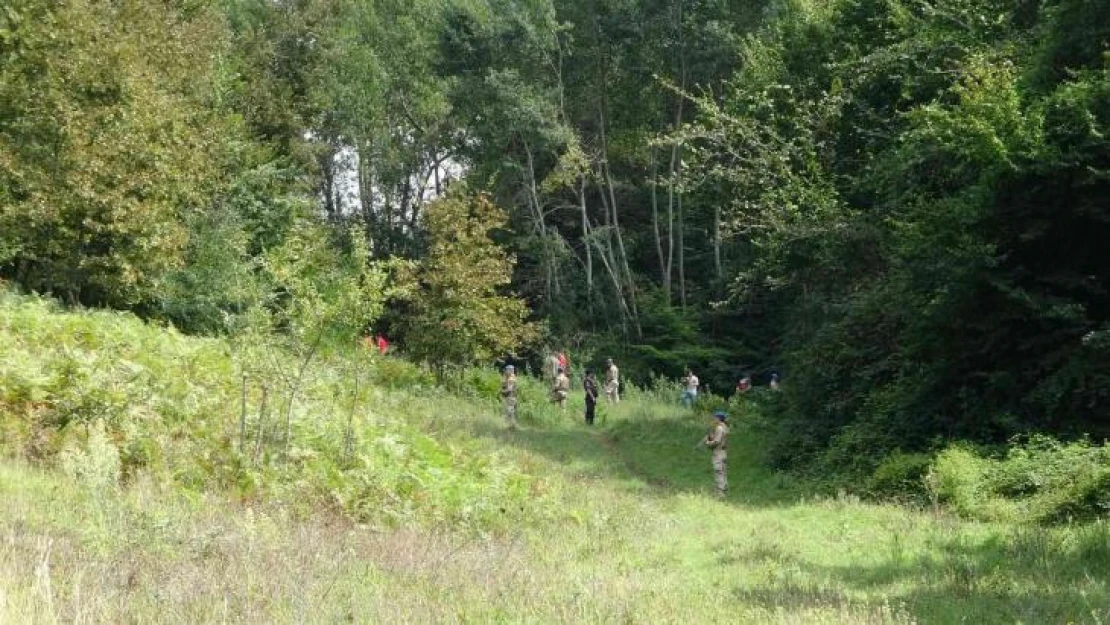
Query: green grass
[[448, 517]]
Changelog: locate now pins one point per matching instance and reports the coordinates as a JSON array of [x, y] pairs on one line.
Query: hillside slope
[[421, 507]]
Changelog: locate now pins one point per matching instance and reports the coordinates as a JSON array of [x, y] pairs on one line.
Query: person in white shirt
[[690, 389]]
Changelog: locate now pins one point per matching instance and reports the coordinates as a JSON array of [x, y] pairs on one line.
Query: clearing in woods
[[614, 524], [636, 538]]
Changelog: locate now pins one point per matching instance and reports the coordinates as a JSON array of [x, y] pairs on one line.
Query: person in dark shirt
[[589, 384]]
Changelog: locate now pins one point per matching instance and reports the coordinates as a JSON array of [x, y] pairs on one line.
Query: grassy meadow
[[151, 477]]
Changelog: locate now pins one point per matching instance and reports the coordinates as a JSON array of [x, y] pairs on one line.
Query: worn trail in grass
[[767, 552]]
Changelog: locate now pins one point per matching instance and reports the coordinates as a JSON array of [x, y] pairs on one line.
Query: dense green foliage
[[896, 204], [111, 400], [455, 316], [930, 225], [1041, 480], [108, 138]]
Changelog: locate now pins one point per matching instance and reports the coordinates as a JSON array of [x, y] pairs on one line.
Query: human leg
[[720, 472], [686, 399]]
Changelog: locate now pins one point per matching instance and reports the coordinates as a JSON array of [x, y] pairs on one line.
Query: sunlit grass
[[615, 523]]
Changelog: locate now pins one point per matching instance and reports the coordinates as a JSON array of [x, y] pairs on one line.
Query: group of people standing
[[716, 440], [556, 371], [376, 342], [560, 387], [690, 384]]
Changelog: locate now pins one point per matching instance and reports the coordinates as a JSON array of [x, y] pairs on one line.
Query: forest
[[899, 206], [264, 265]]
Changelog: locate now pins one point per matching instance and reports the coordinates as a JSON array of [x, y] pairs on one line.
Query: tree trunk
[[618, 290], [550, 281], [366, 203], [327, 169], [586, 240], [717, 241], [655, 217], [674, 176], [672, 180], [680, 27], [681, 252], [606, 173], [613, 264]]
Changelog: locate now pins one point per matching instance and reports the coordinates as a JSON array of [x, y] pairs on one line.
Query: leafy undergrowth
[[1042, 480], [110, 399]]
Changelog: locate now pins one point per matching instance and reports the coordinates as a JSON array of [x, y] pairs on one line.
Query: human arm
[[714, 438]]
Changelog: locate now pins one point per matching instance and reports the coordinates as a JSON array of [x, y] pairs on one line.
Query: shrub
[[659, 389], [478, 383], [105, 396], [96, 463], [956, 479], [710, 403], [901, 475], [1040, 479], [394, 373]]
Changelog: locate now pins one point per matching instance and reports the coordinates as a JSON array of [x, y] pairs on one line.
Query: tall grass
[[209, 414], [424, 508]]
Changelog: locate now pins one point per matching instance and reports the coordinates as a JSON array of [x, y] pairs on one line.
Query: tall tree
[[458, 313], [108, 139]]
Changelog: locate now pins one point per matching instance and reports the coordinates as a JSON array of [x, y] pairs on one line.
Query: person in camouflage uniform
[[612, 382], [561, 389], [717, 440], [551, 368], [508, 395]]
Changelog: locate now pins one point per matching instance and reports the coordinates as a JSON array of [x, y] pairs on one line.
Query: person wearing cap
[[551, 368], [508, 395], [589, 385], [612, 382], [561, 388], [717, 440]]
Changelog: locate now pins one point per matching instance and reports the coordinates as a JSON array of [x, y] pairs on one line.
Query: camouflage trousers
[[720, 471], [510, 411], [612, 392], [559, 397]]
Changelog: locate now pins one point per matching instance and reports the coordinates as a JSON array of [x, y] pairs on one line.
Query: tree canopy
[[897, 205]]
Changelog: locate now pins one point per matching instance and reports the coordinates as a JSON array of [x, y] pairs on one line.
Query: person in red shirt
[[383, 344]]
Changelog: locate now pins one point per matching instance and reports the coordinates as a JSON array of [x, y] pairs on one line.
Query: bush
[[477, 383], [394, 373], [956, 478], [96, 463], [1040, 479], [901, 475], [709, 403], [105, 397]]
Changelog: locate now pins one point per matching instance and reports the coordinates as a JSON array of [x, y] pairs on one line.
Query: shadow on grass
[[1033, 575], [662, 452]]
